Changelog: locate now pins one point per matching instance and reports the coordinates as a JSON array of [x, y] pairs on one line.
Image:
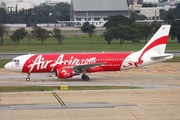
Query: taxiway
[[158, 99]]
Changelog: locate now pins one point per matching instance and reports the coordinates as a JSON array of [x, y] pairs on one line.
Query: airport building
[[152, 12], [96, 11], [19, 5]]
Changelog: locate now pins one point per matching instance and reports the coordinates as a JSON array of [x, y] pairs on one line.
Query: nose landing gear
[[28, 77]]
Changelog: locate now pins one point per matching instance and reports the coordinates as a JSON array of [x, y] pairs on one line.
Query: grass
[[82, 44], [51, 88], [27, 88], [176, 59], [3, 62]]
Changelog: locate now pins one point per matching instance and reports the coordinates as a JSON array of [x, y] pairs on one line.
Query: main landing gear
[[28, 77], [85, 77]]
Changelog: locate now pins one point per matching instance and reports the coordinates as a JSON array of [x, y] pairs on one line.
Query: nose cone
[[8, 66]]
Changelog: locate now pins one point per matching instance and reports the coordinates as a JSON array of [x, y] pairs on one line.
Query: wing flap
[[87, 66]]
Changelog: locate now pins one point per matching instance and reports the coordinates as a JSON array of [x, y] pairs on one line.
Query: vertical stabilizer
[[158, 42]]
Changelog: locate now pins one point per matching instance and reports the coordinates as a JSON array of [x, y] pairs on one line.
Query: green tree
[[123, 33], [57, 35], [114, 21], [3, 30], [63, 17], [155, 26], [3, 15], [18, 35], [40, 34], [144, 30], [135, 16], [175, 30], [108, 36], [127, 33], [171, 14], [40, 14], [62, 8], [162, 14], [29, 37], [89, 29]]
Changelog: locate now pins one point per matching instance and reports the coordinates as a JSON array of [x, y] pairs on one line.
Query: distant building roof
[[166, 3], [100, 5]]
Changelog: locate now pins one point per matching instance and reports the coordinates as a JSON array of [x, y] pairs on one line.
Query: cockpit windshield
[[15, 60]]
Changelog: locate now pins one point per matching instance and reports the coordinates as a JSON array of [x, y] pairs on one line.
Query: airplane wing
[[81, 68], [89, 65]]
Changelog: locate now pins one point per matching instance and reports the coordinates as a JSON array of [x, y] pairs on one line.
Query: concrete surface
[[160, 100], [145, 105]]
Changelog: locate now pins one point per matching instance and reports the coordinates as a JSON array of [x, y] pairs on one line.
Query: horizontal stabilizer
[[162, 56]]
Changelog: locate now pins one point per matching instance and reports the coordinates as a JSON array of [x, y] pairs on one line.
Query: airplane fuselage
[[69, 64], [35, 63]]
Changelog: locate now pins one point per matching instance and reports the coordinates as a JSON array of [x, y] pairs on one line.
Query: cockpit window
[[15, 60]]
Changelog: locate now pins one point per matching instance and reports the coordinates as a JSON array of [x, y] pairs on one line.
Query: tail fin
[[154, 50], [158, 42]]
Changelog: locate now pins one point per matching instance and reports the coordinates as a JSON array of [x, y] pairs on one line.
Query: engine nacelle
[[64, 73]]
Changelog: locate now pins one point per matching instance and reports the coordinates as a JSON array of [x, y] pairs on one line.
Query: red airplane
[[71, 64]]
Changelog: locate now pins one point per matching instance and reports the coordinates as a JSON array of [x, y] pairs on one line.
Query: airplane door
[[27, 61]]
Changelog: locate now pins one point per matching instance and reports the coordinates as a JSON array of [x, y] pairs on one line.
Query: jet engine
[[64, 73]]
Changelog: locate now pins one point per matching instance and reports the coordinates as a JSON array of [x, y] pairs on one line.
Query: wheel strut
[[28, 77]]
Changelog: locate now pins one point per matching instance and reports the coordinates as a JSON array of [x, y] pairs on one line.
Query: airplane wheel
[[86, 78], [27, 79], [83, 76]]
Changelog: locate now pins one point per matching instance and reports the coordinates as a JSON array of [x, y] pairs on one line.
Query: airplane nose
[[8, 66]]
